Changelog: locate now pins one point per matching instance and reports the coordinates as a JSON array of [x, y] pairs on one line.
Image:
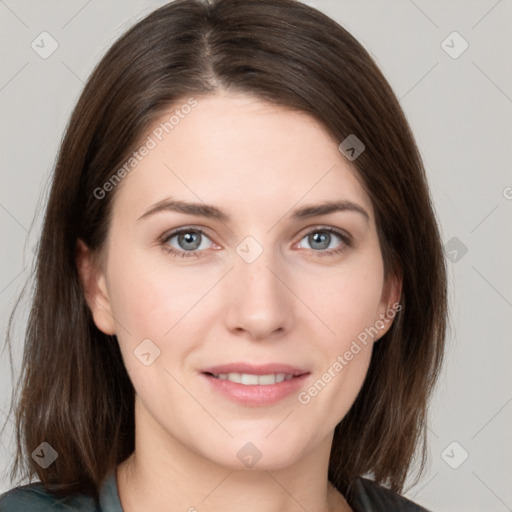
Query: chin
[[258, 453]]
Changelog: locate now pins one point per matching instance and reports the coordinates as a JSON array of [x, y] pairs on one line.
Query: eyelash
[[346, 242]]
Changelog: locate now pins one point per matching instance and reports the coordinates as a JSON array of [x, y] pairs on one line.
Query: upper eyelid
[[346, 237], [174, 232]]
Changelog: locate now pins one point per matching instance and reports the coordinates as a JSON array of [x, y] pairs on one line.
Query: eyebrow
[[212, 212]]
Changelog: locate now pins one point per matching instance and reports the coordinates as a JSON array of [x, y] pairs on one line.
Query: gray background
[[460, 110]]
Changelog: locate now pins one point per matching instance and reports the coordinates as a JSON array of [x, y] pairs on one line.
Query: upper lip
[[263, 369]]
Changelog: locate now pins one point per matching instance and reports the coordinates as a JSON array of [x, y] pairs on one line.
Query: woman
[[240, 288]]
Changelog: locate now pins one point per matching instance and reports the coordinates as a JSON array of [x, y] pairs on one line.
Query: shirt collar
[[109, 497]]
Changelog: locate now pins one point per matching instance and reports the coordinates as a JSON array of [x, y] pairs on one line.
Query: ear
[[95, 289], [389, 304]]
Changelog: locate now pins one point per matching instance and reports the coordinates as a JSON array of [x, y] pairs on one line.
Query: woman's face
[[258, 276]]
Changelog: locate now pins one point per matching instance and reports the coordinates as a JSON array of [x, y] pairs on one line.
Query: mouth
[[254, 386], [251, 374]]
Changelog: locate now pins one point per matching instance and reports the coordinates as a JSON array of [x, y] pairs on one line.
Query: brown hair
[[75, 391]]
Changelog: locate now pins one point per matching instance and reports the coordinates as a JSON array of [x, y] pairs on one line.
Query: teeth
[[252, 380], [245, 378]]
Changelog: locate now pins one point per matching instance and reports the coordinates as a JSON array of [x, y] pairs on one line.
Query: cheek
[[347, 301], [155, 302], [135, 300], [346, 348], [148, 298], [351, 312], [145, 307]]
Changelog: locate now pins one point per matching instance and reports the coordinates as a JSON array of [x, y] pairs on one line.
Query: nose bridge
[[260, 303]]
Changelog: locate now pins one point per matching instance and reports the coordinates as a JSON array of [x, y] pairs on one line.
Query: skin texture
[[257, 162]]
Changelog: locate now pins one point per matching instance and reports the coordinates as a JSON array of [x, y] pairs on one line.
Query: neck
[[163, 475]]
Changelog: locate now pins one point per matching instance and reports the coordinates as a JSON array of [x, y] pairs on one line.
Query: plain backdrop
[[456, 91]]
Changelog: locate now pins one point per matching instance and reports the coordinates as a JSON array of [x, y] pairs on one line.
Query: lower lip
[[256, 395]]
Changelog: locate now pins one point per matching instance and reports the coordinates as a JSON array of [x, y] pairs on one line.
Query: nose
[[261, 305]]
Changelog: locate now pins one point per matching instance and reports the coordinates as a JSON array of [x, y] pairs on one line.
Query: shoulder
[[368, 495], [35, 498]]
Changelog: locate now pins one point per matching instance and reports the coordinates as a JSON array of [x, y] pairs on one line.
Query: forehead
[[241, 153]]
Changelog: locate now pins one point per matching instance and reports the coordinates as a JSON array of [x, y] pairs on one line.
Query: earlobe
[[394, 292], [93, 283], [390, 304]]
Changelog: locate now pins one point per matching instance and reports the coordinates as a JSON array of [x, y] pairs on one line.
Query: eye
[[321, 239], [188, 242]]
